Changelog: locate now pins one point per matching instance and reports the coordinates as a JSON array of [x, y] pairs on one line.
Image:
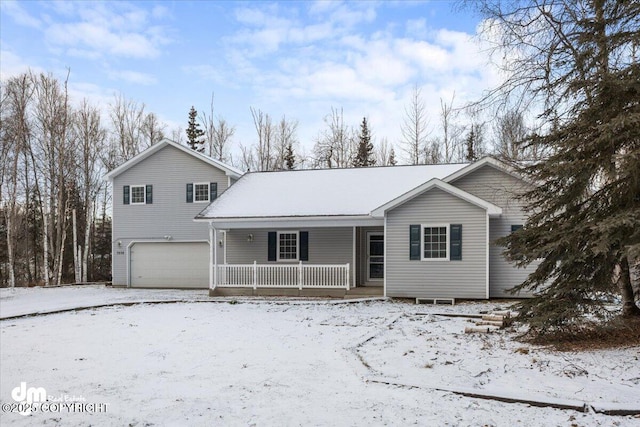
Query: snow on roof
[[325, 192]]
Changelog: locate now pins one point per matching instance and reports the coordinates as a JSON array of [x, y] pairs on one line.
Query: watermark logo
[[28, 396]]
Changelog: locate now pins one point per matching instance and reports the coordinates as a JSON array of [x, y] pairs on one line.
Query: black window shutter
[[271, 253], [304, 246], [516, 227], [125, 195], [149, 194], [190, 193], [213, 191], [455, 234], [414, 242]]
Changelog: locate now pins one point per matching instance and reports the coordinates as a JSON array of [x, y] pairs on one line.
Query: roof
[[320, 193], [228, 170]]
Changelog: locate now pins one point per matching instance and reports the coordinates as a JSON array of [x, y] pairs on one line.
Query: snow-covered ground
[[274, 362]]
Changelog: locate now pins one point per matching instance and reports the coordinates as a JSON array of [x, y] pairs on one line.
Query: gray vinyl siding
[[326, 245], [501, 189], [168, 170], [443, 279]]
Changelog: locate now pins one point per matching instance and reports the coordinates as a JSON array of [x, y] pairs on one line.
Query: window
[[137, 194], [435, 242], [201, 192], [287, 246]]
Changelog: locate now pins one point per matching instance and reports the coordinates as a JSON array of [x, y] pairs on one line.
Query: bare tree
[[90, 139], [127, 120], [54, 160], [218, 134], [449, 141], [511, 134], [285, 140], [152, 130], [335, 146], [15, 136], [415, 128], [264, 153]]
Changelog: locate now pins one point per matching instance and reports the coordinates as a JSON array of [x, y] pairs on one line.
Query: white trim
[[228, 170], [354, 255], [491, 209], [297, 258], [384, 283], [368, 247], [212, 241], [487, 261], [208, 184], [477, 165], [448, 243], [165, 242], [144, 194], [295, 222]]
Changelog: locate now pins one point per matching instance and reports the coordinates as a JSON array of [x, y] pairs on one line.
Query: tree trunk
[[629, 307], [76, 256]]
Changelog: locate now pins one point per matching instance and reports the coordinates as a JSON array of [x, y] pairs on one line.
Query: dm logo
[[28, 396]]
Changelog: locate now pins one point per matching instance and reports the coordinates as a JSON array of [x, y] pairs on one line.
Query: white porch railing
[[283, 276]]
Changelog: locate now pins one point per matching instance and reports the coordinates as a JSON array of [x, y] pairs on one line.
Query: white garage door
[[169, 265]]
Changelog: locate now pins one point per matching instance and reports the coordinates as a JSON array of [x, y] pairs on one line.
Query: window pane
[[376, 271], [435, 242], [201, 192], [376, 248], [137, 194], [288, 246]]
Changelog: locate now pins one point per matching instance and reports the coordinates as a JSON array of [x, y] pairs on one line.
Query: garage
[[169, 265]]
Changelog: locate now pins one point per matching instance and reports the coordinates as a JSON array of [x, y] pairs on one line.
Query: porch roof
[[328, 194]]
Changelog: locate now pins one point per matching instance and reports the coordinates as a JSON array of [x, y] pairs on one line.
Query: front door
[[375, 257]]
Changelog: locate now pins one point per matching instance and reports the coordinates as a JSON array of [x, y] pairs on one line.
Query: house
[[156, 195], [423, 231]]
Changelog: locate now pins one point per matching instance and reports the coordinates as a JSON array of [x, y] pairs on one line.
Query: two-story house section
[[156, 195]]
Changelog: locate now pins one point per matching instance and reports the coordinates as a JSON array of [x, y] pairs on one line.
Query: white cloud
[[133, 77], [19, 15], [12, 65]]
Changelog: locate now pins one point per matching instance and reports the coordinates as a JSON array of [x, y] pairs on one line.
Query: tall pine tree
[[364, 156], [195, 135], [584, 225]]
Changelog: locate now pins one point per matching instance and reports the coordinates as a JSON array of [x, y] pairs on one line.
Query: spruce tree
[[195, 135], [289, 157], [583, 231], [392, 158], [364, 156]]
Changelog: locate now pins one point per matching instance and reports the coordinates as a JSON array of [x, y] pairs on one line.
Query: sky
[[296, 59]]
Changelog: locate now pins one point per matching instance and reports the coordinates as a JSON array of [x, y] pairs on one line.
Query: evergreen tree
[[289, 157], [392, 158], [364, 155], [195, 135], [584, 227]]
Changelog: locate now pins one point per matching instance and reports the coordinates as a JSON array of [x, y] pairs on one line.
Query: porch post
[[355, 242], [348, 274], [215, 258]]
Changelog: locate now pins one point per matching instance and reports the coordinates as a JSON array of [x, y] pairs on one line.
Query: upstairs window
[[202, 192], [137, 194]]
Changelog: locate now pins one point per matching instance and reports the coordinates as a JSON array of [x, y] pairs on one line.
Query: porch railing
[[283, 276]]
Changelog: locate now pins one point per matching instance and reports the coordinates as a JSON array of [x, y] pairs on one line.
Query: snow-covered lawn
[[279, 362]]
